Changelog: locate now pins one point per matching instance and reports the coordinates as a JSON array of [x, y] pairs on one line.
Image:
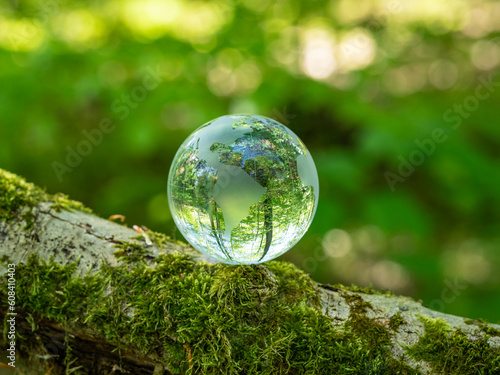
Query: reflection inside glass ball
[[243, 189]]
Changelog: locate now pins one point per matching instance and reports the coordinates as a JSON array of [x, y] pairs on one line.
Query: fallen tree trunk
[[95, 297]]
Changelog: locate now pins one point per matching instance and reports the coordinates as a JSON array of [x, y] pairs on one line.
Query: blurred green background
[[361, 82]]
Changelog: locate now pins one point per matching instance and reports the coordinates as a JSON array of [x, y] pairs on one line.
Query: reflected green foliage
[[243, 189], [364, 84]]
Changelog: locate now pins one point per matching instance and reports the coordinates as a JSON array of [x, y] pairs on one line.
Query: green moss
[[358, 305], [159, 239], [62, 202], [484, 326], [210, 319], [490, 331], [295, 284], [358, 289], [375, 335], [449, 351], [129, 252], [396, 321], [54, 290], [18, 198]]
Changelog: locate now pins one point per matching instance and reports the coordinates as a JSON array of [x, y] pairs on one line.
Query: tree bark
[[47, 345]]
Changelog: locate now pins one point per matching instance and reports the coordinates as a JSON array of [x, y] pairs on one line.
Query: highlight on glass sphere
[[243, 189]]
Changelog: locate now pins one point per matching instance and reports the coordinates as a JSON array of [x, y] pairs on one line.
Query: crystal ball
[[243, 189]]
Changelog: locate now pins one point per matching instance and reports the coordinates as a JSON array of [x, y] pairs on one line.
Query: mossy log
[[96, 297]]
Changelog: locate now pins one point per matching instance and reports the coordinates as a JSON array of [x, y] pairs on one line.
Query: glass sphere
[[243, 189]]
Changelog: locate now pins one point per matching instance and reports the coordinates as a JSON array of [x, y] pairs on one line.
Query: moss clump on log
[[484, 327], [449, 351], [18, 198]]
